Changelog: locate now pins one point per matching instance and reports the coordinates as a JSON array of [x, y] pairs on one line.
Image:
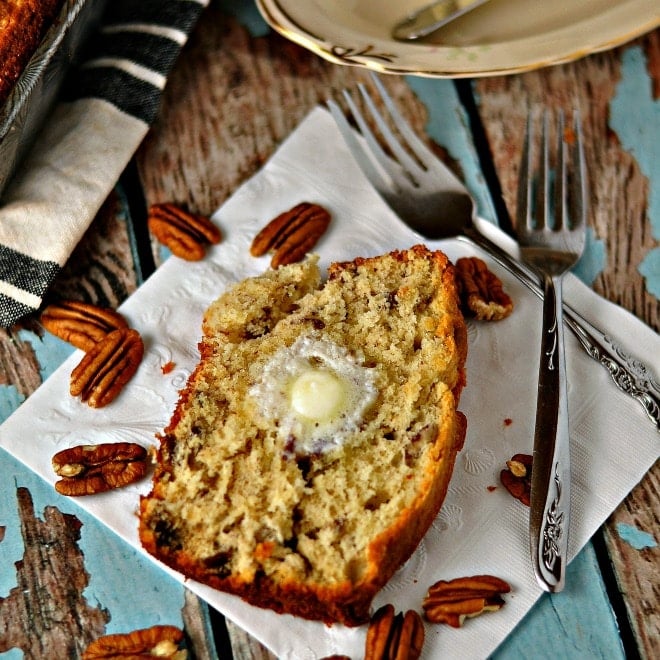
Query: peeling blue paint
[[247, 15], [638, 126], [637, 538], [50, 352], [593, 259], [110, 562], [650, 271], [10, 399], [448, 126], [114, 567]]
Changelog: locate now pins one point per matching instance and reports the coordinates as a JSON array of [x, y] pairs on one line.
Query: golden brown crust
[[23, 24], [374, 283]]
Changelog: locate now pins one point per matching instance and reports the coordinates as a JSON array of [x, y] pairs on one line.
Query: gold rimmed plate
[[501, 37]]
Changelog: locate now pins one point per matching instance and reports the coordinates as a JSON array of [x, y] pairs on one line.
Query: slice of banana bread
[[313, 444]]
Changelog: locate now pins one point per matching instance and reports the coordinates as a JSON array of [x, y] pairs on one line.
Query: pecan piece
[[107, 367], [517, 478], [292, 234], [391, 635], [157, 641], [481, 291], [452, 601], [185, 234], [91, 469], [80, 324]]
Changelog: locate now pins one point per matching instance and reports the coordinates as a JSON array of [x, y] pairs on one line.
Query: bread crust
[[346, 601], [23, 24]]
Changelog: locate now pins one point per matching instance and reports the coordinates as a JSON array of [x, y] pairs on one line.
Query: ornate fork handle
[[551, 477], [630, 375]]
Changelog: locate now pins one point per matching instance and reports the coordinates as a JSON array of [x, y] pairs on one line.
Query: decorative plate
[[500, 37]]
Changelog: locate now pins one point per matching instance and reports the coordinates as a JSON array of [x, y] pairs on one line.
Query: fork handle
[[550, 495], [629, 374]]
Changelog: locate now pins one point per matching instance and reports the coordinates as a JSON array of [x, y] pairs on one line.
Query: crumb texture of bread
[[318, 533], [23, 25]]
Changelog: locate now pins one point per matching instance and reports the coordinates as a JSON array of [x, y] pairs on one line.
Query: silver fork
[[427, 196], [551, 241]]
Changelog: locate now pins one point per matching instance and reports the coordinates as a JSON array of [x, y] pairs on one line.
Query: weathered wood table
[[237, 91]]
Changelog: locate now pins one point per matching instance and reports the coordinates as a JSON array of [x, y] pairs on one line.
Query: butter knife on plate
[[432, 17]]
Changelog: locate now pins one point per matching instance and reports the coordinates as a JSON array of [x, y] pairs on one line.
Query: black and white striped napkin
[[104, 113]]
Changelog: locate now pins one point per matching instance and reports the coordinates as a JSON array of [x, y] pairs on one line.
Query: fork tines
[[408, 158], [553, 181]]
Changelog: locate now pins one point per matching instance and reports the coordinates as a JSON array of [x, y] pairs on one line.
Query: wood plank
[[197, 624], [619, 216], [637, 565], [252, 96], [583, 607], [244, 646], [65, 581], [619, 189], [50, 580]]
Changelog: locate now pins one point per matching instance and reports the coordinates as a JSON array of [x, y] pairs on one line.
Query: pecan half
[[292, 234], [517, 478], [185, 234], [91, 469], [391, 635], [157, 641], [79, 323], [107, 367], [452, 601], [481, 291]]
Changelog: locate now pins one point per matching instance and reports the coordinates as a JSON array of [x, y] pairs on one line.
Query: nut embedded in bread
[[269, 484]]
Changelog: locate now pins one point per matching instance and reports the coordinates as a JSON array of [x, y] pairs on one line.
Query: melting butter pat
[[318, 395]]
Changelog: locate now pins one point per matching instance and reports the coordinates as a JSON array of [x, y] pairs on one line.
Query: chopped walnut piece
[[481, 291], [517, 468], [452, 601], [517, 478]]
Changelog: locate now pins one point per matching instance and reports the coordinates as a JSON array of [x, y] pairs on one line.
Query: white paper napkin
[[480, 529]]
